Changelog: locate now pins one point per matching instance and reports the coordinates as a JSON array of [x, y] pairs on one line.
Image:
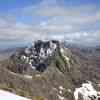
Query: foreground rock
[[86, 92]]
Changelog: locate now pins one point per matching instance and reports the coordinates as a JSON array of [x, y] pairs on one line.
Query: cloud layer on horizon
[[53, 20]]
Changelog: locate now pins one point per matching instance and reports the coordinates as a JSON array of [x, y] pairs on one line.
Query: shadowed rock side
[[47, 71]]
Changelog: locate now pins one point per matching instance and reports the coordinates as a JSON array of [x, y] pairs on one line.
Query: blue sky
[[6, 5], [23, 21]]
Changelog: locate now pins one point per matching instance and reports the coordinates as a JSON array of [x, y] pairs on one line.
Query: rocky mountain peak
[[39, 54]]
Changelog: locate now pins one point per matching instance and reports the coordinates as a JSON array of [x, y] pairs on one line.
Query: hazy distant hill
[[4, 54]]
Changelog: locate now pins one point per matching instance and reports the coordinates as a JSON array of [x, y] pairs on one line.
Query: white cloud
[[75, 24]]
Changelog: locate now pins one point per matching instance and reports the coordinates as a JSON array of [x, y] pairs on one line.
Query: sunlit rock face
[[86, 92]]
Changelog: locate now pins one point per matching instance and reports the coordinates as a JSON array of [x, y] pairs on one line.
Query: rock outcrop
[[86, 92], [38, 56]]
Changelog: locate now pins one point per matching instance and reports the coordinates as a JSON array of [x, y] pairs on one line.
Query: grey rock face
[[38, 55]]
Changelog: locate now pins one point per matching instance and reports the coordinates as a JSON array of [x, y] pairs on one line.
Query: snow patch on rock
[[4, 95]]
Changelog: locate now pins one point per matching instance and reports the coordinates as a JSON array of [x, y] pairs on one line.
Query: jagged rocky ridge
[[37, 57]]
